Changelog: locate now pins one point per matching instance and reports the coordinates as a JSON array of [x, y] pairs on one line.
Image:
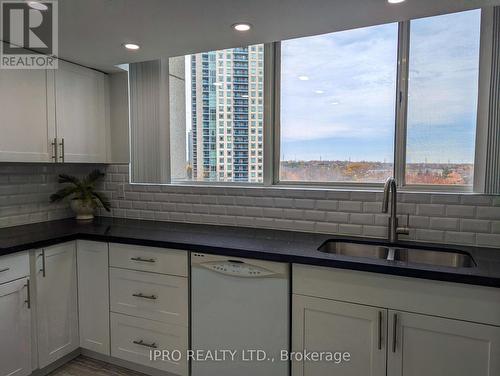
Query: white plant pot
[[84, 210]]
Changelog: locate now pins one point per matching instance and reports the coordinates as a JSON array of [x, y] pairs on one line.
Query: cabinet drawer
[[148, 259], [133, 338], [14, 266], [151, 296]]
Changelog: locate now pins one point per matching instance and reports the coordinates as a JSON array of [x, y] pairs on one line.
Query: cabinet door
[[57, 302], [27, 129], [331, 326], [81, 113], [93, 295], [15, 329], [434, 346]]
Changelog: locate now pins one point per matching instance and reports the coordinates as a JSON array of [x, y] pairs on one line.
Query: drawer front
[[151, 296], [133, 338], [149, 259], [14, 266]]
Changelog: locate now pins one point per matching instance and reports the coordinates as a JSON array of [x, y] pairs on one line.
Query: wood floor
[[83, 366]]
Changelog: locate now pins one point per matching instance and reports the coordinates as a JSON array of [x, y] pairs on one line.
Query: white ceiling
[[91, 31]]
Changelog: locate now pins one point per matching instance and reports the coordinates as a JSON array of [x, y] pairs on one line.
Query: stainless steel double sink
[[437, 257]]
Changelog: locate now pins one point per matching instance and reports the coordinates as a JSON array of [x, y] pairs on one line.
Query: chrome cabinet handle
[[61, 157], [141, 295], [28, 294], [394, 332], [142, 343], [380, 330], [142, 259], [43, 263], [4, 270], [54, 149]]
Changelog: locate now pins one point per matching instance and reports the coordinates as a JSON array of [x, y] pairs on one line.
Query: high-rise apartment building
[[227, 115]]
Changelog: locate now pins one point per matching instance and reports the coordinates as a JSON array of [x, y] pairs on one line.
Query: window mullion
[[401, 103], [269, 113]]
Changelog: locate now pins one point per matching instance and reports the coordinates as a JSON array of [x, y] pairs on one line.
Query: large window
[[349, 108], [216, 122], [338, 95], [442, 99], [339, 103]]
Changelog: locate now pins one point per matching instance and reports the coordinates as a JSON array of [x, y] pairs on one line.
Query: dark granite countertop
[[274, 245]]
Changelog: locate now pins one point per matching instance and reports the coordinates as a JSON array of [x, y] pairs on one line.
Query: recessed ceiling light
[[303, 78], [37, 5], [131, 46], [319, 91], [241, 26], [217, 83], [395, 1], [335, 103]]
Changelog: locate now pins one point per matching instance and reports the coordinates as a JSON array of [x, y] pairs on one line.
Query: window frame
[[401, 117], [272, 123]]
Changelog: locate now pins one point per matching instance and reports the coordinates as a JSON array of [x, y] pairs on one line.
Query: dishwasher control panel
[[235, 268]]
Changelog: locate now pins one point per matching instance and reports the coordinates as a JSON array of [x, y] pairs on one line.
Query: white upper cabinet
[[82, 117], [27, 128], [57, 115]]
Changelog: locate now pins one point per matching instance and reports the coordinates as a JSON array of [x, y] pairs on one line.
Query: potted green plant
[[83, 197]]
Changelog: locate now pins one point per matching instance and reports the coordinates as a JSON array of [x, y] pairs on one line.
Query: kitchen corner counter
[[266, 244]]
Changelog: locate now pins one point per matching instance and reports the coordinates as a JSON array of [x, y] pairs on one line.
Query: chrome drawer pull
[[142, 343], [141, 295], [4, 270], [142, 259]]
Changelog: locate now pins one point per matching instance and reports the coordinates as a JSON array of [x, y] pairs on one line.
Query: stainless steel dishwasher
[[239, 305]]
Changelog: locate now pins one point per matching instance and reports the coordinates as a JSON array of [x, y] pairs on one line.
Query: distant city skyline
[[339, 102]]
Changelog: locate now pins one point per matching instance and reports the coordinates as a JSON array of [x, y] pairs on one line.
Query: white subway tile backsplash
[[467, 238], [337, 217], [474, 225], [327, 228], [495, 227], [349, 229], [460, 211], [350, 206], [361, 219], [488, 240], [431, 209], [444, 224], [452, 218], [304, 204], [488, 212], [375, 231], [430, 235], [470, 199], [327, 205]]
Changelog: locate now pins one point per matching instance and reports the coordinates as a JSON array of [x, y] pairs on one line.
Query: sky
[[338, 92]]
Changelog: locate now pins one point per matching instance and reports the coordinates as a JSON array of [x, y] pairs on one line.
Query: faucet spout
[[390, 193]]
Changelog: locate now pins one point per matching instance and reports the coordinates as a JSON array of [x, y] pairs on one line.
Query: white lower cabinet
[[322, 325], [330, 314], [15, 328], [57, 302], [434, 346], [149, 295], [133, 339], [93, 296]]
